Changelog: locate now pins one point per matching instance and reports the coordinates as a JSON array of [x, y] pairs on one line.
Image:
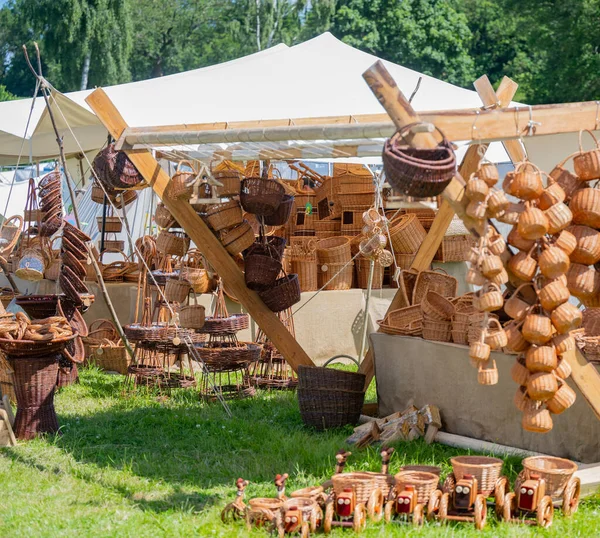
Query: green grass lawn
[[140, 466]]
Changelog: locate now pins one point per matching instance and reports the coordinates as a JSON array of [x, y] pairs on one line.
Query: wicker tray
[[15, 349], [231, 324]]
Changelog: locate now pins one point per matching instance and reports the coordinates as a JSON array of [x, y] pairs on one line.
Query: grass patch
[[138, 467]]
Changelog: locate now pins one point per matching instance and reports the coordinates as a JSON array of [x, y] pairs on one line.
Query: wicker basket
[[437, 331], [437, 281], [111, 224], [192, 316], [224, 216], [231, 180], [261, 196], [306, 269], [555, 471], [282, 213], [283, 294], [424, 483], [334, 250], [350, 183], [174, 244], [352, 222], [261, 271], [436, 307], [403, 261], [198, 279], [408, 321], [455, 248], [238, 239], [335, 276], [110, 357], [163, 217], [362, 483], [363, 267], [407, 234], [177, 290], [485, 469], [356, 200], [329, 398]]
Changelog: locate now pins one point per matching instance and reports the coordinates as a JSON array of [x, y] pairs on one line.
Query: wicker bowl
[[485, 469], [555, 471]]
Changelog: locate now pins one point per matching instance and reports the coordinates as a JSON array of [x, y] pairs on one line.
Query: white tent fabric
[[320, 77]]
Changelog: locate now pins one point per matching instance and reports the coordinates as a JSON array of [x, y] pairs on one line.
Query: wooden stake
[[200, 234]]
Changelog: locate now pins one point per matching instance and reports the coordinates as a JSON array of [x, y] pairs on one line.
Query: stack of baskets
[[437, 315], [335, 269], [305, 214], [227, 220], [457, 243]]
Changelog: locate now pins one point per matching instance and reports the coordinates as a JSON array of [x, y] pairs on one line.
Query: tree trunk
[[258, 47], [85, 71]]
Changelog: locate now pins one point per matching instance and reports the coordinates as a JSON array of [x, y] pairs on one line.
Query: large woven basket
[[110, 357], [425, 483], [335, 276], [231, 180], [282, 213], [261, 271], [306, 269], [334, 250], [407, 234], [238, 239], [485, 469], [555, 471], [174, 244], [362, 483], [329, 398], [261, 196]]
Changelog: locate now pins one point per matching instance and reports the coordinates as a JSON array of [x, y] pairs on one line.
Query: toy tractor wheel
[[316, 516], [500, 491], [571, 496], [388, 512], [480, 509], [375, 505], [305, 530], [359, 521], [327, 520], [545, 512], [418, 516], [509, 506], [449, 484], [434, 504], [444, 504]]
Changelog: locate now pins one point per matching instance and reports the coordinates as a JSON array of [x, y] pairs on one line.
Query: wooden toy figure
[[463, 503], [340, 462], [386, 454], [527, 501], [236, 509], [301, 515], [280, 486]]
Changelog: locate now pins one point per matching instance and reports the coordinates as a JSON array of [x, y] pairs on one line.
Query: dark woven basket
[[274, 247], [418, 172], [284, 293], [261, 196], [71, 231], [331, 399], [38, 306], [67, 376], [261, 271], [68, 258], [35, 382], [114, 169], [283, 212]]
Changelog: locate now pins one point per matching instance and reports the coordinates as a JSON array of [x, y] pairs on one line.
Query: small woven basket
[[192, 316], [111, 357], [238, 239], [261, 271], [555, 471], [224, 216], [425, 483], [283, 294], [174, 244], [362, 483], [334, 250], [111, 224], [485, 469]]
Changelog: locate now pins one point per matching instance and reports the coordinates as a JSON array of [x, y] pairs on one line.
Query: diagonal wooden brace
[[200, 234]]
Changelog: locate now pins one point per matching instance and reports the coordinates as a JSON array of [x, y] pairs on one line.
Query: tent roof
[[320, 77]]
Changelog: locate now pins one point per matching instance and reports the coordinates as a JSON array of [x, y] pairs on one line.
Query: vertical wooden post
[[200, 234]]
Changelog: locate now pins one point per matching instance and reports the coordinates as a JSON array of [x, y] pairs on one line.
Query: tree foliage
[[551, 48]]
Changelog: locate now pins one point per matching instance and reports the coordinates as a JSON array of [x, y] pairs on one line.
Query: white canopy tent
[[319, 78]]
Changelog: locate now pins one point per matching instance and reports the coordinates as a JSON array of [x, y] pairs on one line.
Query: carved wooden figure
[[236, 509]]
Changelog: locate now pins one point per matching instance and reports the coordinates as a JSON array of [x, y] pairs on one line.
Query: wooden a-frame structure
[[494, 122]]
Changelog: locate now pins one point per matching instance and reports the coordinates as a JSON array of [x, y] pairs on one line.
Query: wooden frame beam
[[584, 374], [200, 234], [486, 125]]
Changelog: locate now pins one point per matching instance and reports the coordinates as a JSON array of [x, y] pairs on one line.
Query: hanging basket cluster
[[115, 170]]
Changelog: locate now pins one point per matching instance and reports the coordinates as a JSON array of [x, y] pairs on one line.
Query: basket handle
[[561, 163], [186, 162], [336, 357], [581, 143]]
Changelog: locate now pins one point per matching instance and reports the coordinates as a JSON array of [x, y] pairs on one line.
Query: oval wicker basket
[[424, 483], [261, 196], [485, 469], [224, 216], [284, 293], [362, 483], [555, 471], [192, 316], [238, 239], [334, 250]]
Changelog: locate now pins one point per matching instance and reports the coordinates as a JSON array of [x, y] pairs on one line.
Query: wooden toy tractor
[[408, 498], [236, 509], [299, 515], [264, 511], [461, 502], [529, 500], [353, 495]]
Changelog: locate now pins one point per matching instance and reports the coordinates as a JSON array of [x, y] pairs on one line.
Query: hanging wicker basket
[[174, 244], [261, 271], [192, 316], [261, 196], [283, 294], [282, 214], [224, 216]]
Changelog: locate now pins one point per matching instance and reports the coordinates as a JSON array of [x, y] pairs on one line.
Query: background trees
[[551, 48]]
